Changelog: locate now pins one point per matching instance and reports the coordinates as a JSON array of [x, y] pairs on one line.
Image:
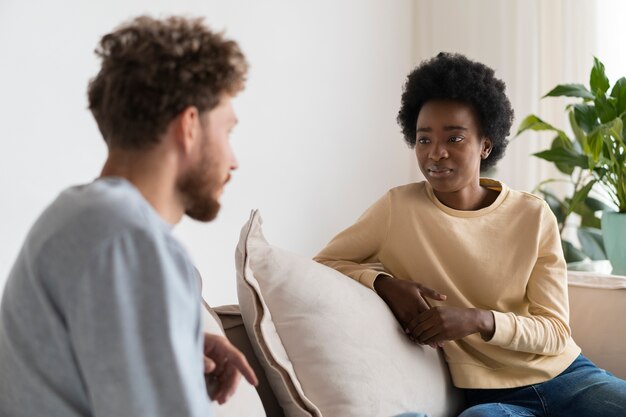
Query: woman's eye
[[423, 141], [456, 138]]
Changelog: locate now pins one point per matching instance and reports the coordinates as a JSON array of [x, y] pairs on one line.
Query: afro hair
[[454, 77]]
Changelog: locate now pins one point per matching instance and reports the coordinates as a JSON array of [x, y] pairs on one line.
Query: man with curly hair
[[101, 311], [494, 252]]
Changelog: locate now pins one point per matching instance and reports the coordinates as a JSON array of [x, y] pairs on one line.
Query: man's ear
[[487, 146], [187, 124]]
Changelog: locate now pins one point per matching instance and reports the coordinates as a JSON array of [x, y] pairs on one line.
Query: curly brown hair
[[152, 70]]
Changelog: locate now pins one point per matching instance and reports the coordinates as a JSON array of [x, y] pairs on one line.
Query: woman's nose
[[438, 152]]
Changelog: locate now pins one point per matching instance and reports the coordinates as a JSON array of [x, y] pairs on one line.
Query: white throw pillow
[[330, 346], [245, 401]]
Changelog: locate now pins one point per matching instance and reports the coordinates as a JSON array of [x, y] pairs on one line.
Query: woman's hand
[[439, 324], [406, 299]]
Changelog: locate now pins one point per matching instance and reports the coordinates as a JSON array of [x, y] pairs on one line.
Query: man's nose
[[234, 164]]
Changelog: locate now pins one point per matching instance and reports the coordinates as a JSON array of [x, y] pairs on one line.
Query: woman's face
[[448, 145]]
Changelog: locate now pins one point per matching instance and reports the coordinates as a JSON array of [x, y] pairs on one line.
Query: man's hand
[[451, 323], [406, 299], [224, 364]]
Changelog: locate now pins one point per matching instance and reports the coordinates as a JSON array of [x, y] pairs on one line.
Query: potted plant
[[594, 158]]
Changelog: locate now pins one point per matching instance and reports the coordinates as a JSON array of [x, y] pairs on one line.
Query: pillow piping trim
[[269, 357]]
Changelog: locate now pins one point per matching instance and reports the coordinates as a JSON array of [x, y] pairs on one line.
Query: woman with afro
[[472, 266]]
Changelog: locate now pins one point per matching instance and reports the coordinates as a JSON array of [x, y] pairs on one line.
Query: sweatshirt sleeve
[[136, 330], [545, 330], [360, 244]]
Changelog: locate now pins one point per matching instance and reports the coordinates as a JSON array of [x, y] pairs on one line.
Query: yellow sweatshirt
[[506, 258]]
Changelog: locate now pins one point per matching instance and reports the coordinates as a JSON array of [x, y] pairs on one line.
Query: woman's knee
[[604, 395], [496, 410], [483, 410]]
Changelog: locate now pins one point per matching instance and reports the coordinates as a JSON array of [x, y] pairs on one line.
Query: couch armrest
[[597, 311], [232, 323]]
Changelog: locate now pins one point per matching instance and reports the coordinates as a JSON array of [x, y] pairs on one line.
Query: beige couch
[[598, 308], [323, 345]]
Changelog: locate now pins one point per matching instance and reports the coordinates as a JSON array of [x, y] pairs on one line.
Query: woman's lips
[[439, 172]]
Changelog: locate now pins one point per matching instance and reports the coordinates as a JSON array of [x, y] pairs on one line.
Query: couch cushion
[[329, 345]]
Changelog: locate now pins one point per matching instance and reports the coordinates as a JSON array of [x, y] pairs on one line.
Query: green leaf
[[532, 122], [590, 220], [570, 90], [564, 168], [595, 142], [592, 243], [583, 209], [605, 107], [587, 214], [586, 117], [596, 205], [619, 93], [598, 80], [616, 129], [571, 253], [601, 170], [564, 156], [605, 142], [580, 196], [579, 134]]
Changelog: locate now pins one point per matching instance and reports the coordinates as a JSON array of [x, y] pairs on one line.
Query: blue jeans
[[582, 390]]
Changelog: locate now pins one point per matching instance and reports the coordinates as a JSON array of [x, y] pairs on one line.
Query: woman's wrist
[[485, 324], [381, 285]]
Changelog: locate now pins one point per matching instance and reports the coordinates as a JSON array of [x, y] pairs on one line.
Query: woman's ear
[[486, 146]]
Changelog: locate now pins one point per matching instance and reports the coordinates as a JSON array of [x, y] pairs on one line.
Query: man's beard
[[198, 187]]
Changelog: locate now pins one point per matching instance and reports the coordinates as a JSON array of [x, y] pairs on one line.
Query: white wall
[[317, 140], [533, 45]]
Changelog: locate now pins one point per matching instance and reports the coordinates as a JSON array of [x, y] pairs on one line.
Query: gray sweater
[[100, 315]]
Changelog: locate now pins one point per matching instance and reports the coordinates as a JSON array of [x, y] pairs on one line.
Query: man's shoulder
[[89, 226], [85, 216], [104, 207]]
